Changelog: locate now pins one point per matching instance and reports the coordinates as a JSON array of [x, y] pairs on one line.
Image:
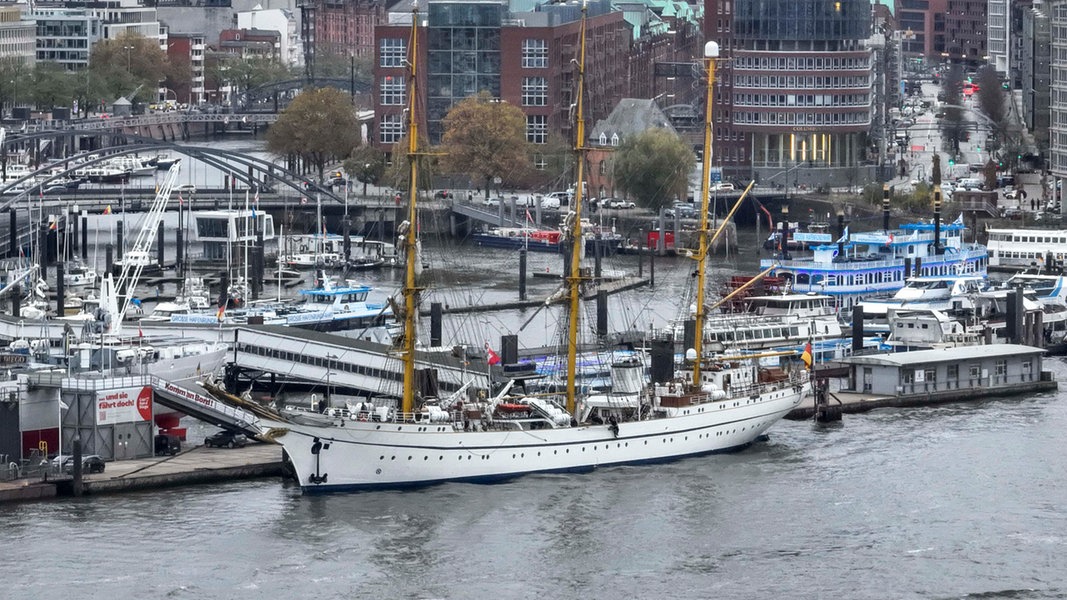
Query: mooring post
[[522, 274]]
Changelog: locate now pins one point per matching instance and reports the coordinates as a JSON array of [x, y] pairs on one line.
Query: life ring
[[362, 416]]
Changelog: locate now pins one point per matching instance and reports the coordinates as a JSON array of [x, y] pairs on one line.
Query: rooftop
[[941, 355]]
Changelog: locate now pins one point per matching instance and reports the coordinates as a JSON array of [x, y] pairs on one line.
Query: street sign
[[716, 174]]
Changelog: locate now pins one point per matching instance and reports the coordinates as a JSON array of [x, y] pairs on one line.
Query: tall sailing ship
[[717, 405]]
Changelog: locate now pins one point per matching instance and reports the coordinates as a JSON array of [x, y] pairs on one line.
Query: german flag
[[53, 225], [107, 210], [806, 356]]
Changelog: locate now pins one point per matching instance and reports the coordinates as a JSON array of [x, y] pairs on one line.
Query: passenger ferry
[[878, 263], [1017, 249], [772, 321]]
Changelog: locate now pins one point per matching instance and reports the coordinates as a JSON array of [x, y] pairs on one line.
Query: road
[[924, 142]]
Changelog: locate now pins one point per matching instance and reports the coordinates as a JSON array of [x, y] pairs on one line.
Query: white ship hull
[[372, 455]]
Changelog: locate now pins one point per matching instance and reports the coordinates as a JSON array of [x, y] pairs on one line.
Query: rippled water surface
[[963, 500]]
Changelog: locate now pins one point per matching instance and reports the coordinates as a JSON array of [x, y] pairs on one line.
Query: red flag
[[492, 357], [140, 333]]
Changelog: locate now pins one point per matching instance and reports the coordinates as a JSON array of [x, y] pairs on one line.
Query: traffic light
[[951, 162]]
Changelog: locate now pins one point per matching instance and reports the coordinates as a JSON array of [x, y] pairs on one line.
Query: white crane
[[132, 267]]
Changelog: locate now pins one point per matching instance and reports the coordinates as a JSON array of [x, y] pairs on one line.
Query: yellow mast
[[574, 279], [711, 53], [410, 291]]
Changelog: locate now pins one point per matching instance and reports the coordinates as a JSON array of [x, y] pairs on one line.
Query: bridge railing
[[170, 118]]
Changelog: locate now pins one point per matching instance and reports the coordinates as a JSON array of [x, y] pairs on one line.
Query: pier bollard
[[689, 334], [61, 290], [857, 329], [179, 254], [12, 233], [76, 487], [159, 247], [522, 274], [85, 237], [509, 349], [436, 313], [651, 268], [71, 250], [601, 313]]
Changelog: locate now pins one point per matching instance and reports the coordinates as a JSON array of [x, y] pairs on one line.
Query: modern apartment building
[[998, 34], [1035, 72], [803, 90], [1057, 164], [922, 27], [965, 33], [16, 35], [66, 36]]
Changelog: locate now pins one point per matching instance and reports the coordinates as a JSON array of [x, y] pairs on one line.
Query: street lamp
[[127, 48]]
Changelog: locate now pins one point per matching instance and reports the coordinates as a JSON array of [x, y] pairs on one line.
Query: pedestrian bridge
[[501, 215]]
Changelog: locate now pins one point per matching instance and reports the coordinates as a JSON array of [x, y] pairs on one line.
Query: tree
[[51, 85], [130, 66], [366, 165], [953, 127], [992, 103], [318, 126], [243, 74], [486, 139], [653, 167]]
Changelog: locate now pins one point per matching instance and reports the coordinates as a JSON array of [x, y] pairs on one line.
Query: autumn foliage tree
[[129, 65], [485, 139], [653, 167], [319, 126]]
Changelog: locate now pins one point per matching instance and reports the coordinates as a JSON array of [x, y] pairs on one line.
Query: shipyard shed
[[947, 371]]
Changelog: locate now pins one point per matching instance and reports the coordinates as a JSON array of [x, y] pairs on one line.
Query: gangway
[[204, 407]]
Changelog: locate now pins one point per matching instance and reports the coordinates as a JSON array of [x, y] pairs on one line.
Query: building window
[[1001, 368], [534, 54], [540, 162], [391, 129], [537, 129], [393, 90], [392, 52], [534, 91], [953, 372]]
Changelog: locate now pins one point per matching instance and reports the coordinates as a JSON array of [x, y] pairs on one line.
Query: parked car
[[616, 203], [91, 463], [683, 211], [167, 444], [226, 439], [1011, 195]]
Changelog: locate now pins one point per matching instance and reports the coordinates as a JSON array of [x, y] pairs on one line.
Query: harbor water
[[956, 501]]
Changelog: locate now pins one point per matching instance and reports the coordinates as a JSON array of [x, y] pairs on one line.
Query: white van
[[970, 183]]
